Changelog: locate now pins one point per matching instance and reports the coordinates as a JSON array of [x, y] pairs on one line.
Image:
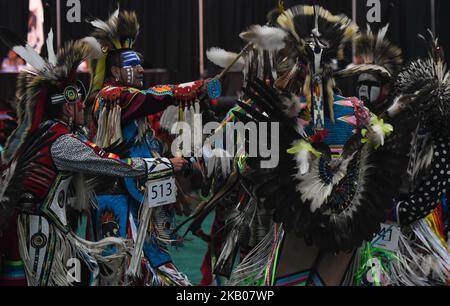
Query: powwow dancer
[[378, 64], [332, 160], [421, 257], [120, 113], [43, 158]]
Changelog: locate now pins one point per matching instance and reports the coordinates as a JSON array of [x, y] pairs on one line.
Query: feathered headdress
[[287, 44], [379, 56], [303, 23], [53, 80], [310, 27], [424, 87], [119, 32]]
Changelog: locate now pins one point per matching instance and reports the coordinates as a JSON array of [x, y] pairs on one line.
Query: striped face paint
[[130, 75], [130, 59]]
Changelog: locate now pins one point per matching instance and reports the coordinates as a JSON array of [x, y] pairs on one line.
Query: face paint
[[368, 89], [369, 92], [130, 75], [130, 59]]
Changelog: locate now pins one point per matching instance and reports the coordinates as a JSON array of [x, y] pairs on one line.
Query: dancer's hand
[[178, 163]]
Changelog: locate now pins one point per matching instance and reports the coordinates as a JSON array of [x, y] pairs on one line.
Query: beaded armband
[[187, 91], [158, 168]]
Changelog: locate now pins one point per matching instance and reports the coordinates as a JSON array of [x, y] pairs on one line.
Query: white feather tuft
[[224, 59], [116, 12], [50, 48], [104, 25], [169, 118], [300, 129], [376, 135], [216, 159], [382, 34], [302, 158], [265, 37], [100, 24], [31, 57], [95, 47]]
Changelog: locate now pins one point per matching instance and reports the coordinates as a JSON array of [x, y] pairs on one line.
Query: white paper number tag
[[161, 192], [387, 238]]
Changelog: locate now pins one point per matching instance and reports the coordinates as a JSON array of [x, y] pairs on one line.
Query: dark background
[[169, 28]]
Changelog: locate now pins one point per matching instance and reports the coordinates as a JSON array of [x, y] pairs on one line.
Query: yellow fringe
[[117, 44], [99, 76]]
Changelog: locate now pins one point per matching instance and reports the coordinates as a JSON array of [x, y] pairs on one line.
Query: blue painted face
[[130, 59], [132, 73]]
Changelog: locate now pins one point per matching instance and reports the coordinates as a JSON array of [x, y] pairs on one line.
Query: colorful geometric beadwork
[[214, 89], [350, 119], [160, 90], [187, 91]]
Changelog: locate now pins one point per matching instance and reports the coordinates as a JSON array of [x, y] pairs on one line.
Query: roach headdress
[[379, 56], [52, 81], [318, 37], [309, 37], [427, 81]]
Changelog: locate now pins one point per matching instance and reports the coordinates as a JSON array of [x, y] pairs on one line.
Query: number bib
[[161, 192], [387, 238]]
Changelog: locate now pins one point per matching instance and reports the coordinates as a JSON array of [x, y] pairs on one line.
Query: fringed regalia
[[340, 165], [42, 176], [421, 257], [120, 114]]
